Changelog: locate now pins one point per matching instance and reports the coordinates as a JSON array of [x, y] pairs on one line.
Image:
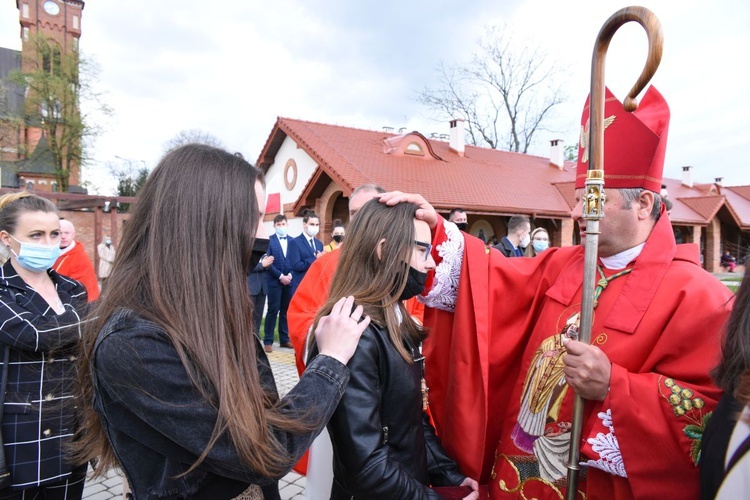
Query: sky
[[230, 68]]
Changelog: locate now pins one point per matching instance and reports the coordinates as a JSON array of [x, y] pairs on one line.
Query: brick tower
[[59, 22]]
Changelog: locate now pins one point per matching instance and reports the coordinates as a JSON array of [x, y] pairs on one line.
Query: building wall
[[111, 224]]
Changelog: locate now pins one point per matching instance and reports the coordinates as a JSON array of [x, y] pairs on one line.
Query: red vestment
[[76, 264], [494, 368]]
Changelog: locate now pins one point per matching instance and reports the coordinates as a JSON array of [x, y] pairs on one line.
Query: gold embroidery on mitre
[[584, 139]]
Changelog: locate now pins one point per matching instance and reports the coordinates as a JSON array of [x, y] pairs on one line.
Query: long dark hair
[[377, 282], [182, 264], [735, 349]]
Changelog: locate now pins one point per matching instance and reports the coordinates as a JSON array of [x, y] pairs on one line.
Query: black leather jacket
[[383, 443], [158, 423]]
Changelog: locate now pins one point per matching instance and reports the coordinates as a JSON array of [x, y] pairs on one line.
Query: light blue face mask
[[36, 257], [280, 231], [540, 246]]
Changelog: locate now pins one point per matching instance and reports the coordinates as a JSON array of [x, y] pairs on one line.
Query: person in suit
[[305, 248], [518, 237], [279, 279], [256, 283]]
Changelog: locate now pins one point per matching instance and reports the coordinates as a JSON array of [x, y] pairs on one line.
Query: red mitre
[[634, 143]]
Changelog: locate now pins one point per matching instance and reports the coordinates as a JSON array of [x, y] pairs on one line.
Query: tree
[[129, 180], [192, 136], [571, 152], [8, 124], [505, 93], [56, 83]]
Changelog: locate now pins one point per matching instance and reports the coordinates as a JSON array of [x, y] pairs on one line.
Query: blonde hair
[[12, 205]]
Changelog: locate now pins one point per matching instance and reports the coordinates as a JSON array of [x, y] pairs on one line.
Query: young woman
[[337, 236], [40, 314], [177, 389], [384, 445], [724, 461], [539, 242]]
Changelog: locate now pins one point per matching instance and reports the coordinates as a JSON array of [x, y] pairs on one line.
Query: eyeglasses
[[426, 246]]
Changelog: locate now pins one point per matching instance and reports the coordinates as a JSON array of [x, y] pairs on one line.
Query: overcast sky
[[231, 67]]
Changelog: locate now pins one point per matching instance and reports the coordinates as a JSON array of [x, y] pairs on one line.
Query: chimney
[[557, 153], [457, 136], [687, 176], [719, 181]]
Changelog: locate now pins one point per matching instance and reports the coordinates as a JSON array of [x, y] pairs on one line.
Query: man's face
[[67, 233], [618, 229], [358, 200], [524, 231], [281, 223], [312, 226], [459, 217]]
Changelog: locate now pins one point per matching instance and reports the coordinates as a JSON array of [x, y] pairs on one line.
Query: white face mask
[[313, 230], [525, 241]]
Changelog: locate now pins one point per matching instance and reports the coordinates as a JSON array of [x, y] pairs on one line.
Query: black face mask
[[338, 238], [462, 225], [414, 284], [260, 247]]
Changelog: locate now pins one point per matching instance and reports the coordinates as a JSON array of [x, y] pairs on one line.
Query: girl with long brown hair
[[725, 464], [383, 443], [176, 387]]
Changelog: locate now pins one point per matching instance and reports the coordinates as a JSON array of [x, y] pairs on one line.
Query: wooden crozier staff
[[593, 195]]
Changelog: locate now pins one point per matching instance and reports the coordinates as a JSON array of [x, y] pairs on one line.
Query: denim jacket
[[158, 423]]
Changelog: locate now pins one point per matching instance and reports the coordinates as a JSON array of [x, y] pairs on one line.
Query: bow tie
[[282, 237]]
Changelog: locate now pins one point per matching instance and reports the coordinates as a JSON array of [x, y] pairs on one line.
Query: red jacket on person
[[75, 263]]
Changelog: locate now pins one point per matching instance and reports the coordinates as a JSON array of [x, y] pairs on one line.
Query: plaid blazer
[[38, 415]]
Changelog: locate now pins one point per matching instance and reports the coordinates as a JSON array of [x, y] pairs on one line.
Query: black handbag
[[5, 479]]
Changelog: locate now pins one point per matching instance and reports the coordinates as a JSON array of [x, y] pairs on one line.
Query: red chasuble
[[494, 368]]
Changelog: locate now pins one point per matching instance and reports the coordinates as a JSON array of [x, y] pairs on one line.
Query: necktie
[[312, 245]]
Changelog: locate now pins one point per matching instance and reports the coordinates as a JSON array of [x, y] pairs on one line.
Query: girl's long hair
[[376, 282], [735, 349], [182, 264]]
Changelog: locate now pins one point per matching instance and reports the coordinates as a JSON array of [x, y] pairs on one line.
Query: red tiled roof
[[705, 206], [738, 199], [743, 191], [483, 180]]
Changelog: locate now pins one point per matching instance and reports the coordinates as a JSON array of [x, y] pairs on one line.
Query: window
[[56, 60], [25, 34], [75, 44], [414, 149], [76, 22], [25, 10]]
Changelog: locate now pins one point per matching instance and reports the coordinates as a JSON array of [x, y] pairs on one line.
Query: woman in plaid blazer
[[40, 323]]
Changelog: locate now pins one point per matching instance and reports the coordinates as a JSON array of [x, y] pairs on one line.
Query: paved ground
[[291, 487]]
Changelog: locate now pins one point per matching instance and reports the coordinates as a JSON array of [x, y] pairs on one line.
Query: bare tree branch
[[192, 136], [505, 93]]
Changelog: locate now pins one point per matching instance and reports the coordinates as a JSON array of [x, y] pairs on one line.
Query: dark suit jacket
[[301, 256], [506, 248], [256, 280], [281, 265]]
